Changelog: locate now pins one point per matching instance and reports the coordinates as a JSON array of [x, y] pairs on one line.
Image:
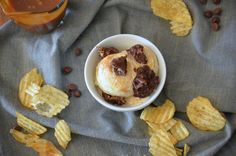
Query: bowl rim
[[153, 96]]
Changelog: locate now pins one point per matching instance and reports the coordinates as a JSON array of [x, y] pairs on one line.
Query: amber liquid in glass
[[37, 18]]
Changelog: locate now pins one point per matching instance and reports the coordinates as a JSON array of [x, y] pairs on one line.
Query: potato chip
[[29, 125], [150, 131], [33, 89], [172, 138], [45, 148], [159, 114], [186, 149], [204, 116], [62, 133], [177, 12], [49, 101], [179, 131], [167, 9], [180, 29], [161, 145], [179, 151], [22, 137], [31, 77], [166, 125]]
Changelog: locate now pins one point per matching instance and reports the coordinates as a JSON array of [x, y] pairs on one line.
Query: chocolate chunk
[[116, 100], [77, 52], [217, 11], [105, 51], [137, 52], [67, 70], [215, 20], [72, 87], [215, 26], [208, 13], [216, 1], [145, 82], [203, 2], [77, 93], [119, 66]]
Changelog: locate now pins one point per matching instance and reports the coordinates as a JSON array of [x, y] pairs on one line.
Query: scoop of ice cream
[[117, 85]]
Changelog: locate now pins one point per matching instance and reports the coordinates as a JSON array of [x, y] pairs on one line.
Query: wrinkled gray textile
[[203, 63]]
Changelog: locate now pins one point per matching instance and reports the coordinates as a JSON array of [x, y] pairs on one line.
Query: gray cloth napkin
[[203, 63]]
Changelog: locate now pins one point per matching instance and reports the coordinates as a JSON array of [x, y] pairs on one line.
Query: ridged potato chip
[[179, 151], [45, 148], [29, 125], [177, 12], [62, 133], [172, 138], [150, 131], [159, 114], [179, 131], [31, 77], [22, 137], [49, 101], [42, 146], [33, 89], [186, 149], [166, 125], [204, 116], [180, 29], [168, 9], [160, 144]]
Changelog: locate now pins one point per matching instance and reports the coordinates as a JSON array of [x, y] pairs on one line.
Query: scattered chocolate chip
[[217, 11], [77, 93], [216, 1], [215, 26], [72, 87], [119, 65], [77, 51], [105, 51], [67, 70], [145, 82], [215, 19], [116, 100], [18, 128], [208, 13], [137, 52], [203, 2]]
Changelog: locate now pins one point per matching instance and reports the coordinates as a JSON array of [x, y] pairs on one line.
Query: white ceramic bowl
[[122, 42]]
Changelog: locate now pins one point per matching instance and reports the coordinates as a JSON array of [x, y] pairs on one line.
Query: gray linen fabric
[[203, 63]]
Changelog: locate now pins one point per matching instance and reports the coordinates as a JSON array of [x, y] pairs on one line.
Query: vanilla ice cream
[[116, 85]]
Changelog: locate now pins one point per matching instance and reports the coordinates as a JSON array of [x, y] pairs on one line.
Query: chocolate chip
[[18, 128], [145, 82], [119, 65], [77, 93], [67, 70], [116, 100], [208, 13], [72, 87], [216, 1], [215, 26], [137, 52], [215, 19], [203, 2], [77, 51], [105, 51], [217, 11]]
